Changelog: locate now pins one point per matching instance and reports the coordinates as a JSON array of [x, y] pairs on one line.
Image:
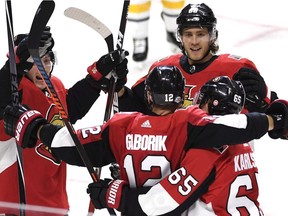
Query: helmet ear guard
[[148, 97], [213, 35]]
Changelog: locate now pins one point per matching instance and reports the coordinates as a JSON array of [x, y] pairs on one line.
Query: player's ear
[[149, 97]]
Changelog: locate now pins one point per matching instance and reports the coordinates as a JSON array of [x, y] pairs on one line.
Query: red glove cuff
[[114, 193], [23, 122], [92, 70]]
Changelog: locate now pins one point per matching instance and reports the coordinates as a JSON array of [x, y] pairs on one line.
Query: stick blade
[[40, 20], [88, 19]]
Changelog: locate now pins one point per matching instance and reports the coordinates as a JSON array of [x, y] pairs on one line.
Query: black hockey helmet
[[196, 15], [199, 15], [224, 96], [165, 85]]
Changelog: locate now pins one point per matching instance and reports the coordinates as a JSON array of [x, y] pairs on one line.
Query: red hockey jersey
[[148, 147], [228, 174], [223, 65], [45, 175]]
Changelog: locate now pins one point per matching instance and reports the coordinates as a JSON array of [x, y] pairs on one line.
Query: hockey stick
[[112, 99], [92, 22], [15, 100], [104, 31], [40, 20]]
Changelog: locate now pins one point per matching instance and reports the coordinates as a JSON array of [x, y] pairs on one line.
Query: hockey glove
[[114, 171], [100, 70], [107, 193], [121, 72], [23, 59], [255, 89], [278, 110], [23, 124]]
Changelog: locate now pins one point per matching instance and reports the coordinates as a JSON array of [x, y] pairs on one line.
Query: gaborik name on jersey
[[146, 142]]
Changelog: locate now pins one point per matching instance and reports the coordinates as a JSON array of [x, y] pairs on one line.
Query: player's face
[[196, 42], [34, 74]]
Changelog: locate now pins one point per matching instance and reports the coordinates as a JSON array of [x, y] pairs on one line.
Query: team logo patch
[[57, 120], [45, 152], [215, 103]]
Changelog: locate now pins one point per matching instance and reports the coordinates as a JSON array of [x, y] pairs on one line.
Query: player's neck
[[162, 112], [201, 61]]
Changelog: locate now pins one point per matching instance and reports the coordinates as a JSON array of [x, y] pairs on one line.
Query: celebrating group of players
[[183, 147]]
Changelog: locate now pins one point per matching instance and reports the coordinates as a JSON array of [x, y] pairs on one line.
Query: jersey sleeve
[[94, 140], [214, 131], [78, 106], [133, 99], [179, 190]]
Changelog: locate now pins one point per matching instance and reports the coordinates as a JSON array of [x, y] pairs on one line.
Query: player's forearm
[[228, 129], [60, 142], [129, 102], [77, 104], [167, 198]]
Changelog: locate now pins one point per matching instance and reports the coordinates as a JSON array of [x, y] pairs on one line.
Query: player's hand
[[23, 124], [106, 193], [114, 171], [255, 89], [24, 61], [121, 72], [100, 71], [278, 109]]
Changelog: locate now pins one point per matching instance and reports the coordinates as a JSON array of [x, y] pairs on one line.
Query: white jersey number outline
[[235, 201], [146, 165]]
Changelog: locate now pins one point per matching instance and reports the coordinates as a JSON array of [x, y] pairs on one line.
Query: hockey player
[[199, 63], [147, 147], [40, 165], [225, 178], [139, 16]]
